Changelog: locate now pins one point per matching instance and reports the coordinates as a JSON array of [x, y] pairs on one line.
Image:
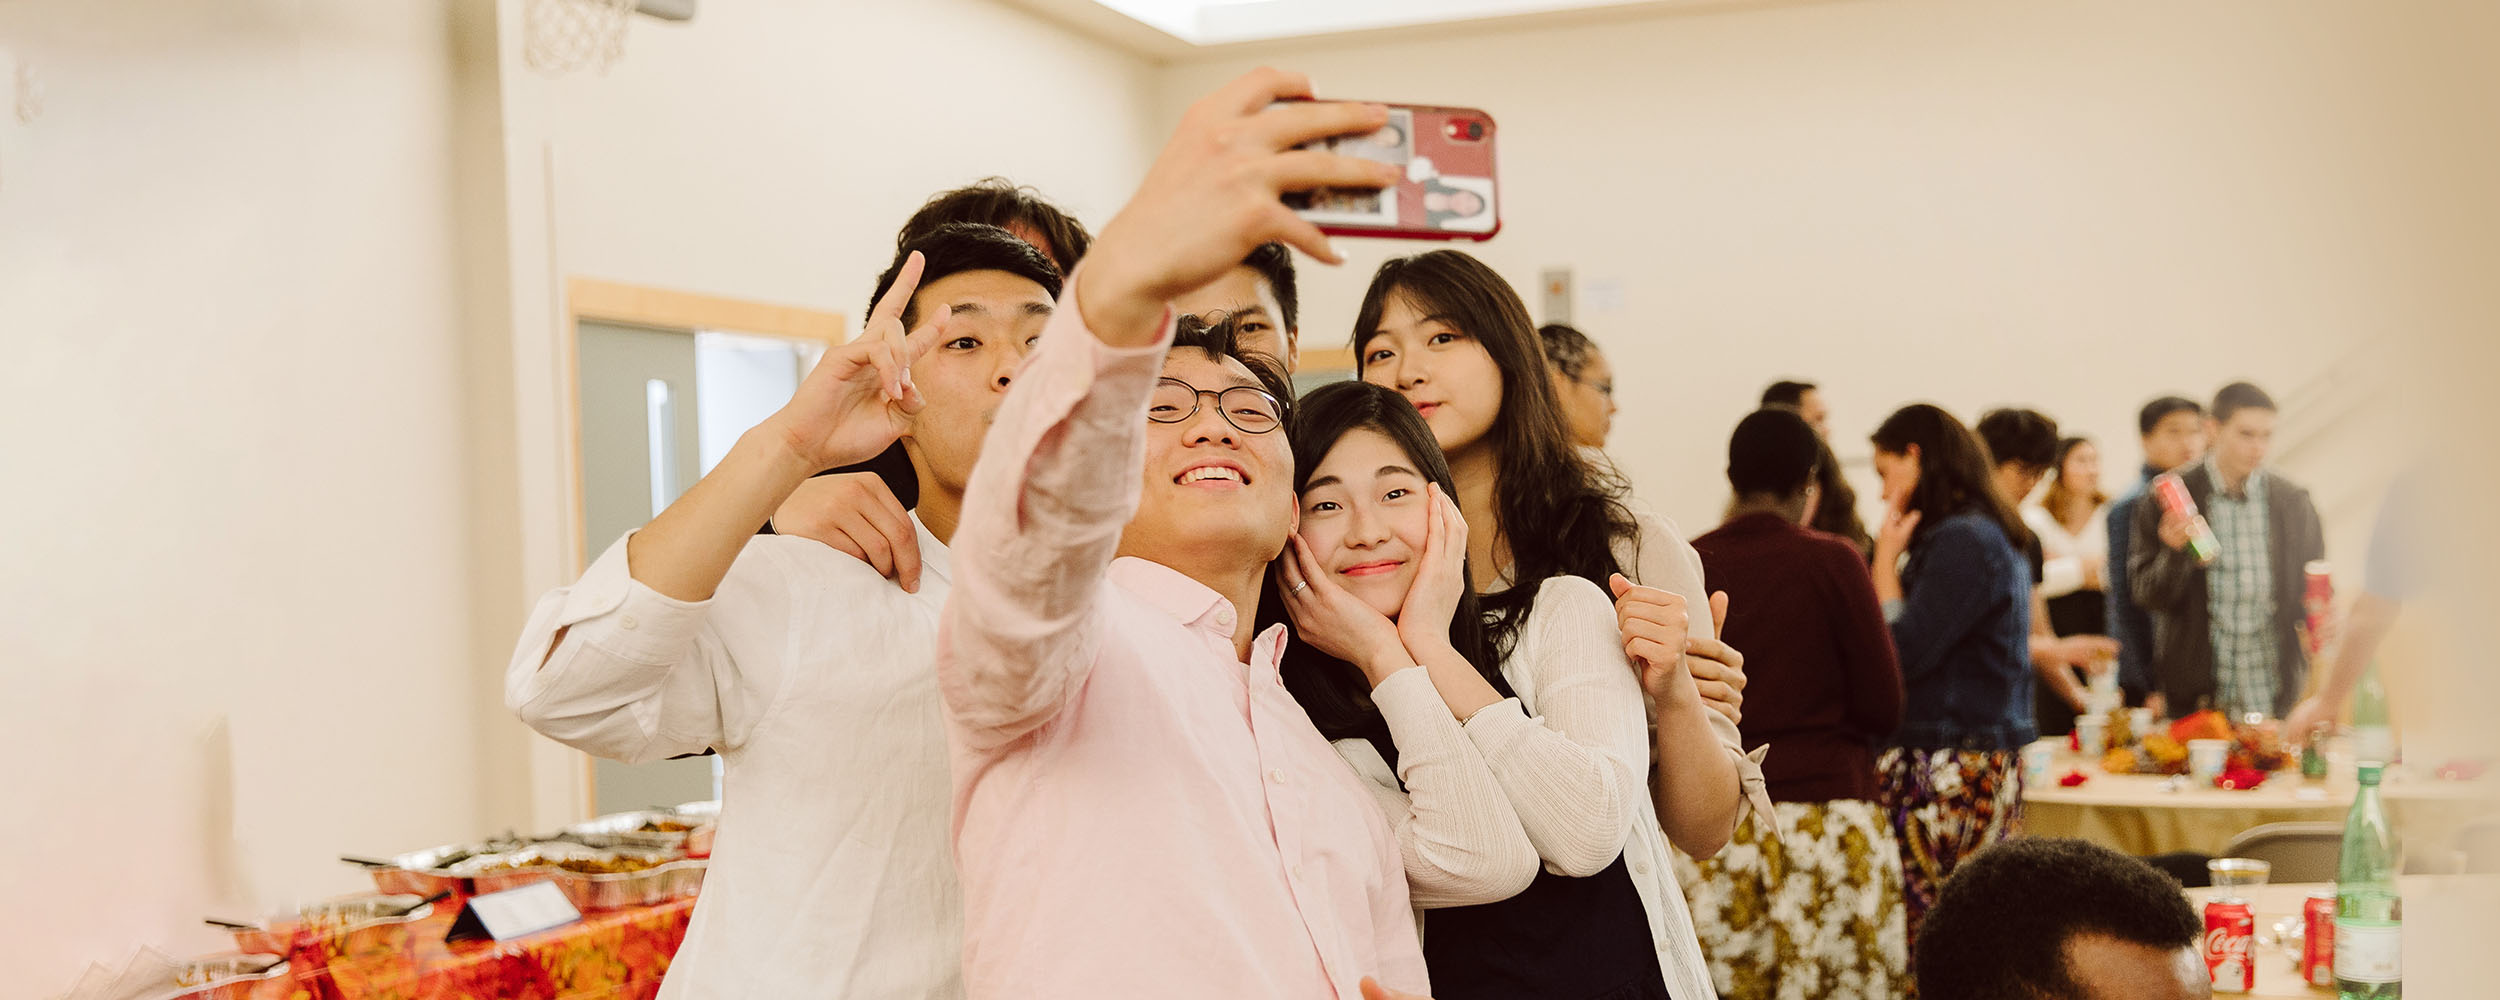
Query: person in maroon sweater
[[1809, 905]]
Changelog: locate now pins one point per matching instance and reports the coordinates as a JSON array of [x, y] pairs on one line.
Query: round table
[[2447, 936], [2145, 814]]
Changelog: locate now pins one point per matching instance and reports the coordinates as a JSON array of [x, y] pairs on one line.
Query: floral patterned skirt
[[1810, 909], [1944, 806]]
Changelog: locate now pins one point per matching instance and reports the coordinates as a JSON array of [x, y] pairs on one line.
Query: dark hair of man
[[2027, 438], [1558, 515], [1772, 454], [1836, 512], [2000, 925], [2154, 412], [1953, 470], [949, 248], [1786, 393], [2060, 490], [1222, 339], [1566, 348], [999, 202], [957, 247], [1274, 262], [2239, 396], [1332, 692]]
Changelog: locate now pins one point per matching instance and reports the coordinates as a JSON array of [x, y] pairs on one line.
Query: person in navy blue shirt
[[1950, 569]]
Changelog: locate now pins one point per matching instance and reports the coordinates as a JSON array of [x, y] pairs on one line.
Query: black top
[[1563, 939], [893, 465]]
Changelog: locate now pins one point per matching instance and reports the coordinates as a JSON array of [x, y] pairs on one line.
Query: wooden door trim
[[640, 305], [666, 309]]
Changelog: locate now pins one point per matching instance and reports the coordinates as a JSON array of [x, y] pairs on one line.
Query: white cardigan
[[1572, 753]]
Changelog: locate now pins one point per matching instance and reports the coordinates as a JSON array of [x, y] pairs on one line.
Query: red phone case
[[1450, 190]]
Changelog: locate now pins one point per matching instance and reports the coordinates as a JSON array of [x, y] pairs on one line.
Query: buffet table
[[609, 955], [2447, 931], [2145, 814]]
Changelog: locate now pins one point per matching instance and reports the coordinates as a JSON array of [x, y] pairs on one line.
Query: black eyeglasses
[[1248, 408]]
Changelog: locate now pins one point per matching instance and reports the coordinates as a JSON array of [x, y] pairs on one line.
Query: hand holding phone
[[1448, 190]]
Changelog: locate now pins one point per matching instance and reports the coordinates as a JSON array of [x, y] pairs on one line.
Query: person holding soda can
[[2226, 629]]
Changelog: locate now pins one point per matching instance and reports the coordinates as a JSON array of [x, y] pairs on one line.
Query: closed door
[[640, 445]]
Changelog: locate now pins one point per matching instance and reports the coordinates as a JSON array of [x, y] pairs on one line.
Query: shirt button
[[1224, 618], [1297, 873], [1641, 867], [630, 623], [1277, 775]]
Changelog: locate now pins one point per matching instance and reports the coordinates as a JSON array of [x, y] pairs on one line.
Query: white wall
[[278, 283], [2070, 206], [768, 151], [233, 625]]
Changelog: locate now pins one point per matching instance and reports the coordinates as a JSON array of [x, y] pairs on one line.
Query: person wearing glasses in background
[[1583, 383]]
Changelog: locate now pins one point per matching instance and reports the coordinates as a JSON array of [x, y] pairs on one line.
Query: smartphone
[[1449, 191]]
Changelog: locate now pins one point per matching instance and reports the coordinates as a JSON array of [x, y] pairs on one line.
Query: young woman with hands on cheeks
[[1518, 790]]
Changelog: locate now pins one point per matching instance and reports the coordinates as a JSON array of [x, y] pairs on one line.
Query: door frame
[[603, 301]]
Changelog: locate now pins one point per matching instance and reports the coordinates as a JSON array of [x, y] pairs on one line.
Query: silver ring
[[1300, 587]]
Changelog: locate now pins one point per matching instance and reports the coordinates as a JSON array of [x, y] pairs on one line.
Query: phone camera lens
[[1475, 130]]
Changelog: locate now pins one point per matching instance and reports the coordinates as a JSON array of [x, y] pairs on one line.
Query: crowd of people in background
[[1056, 646]]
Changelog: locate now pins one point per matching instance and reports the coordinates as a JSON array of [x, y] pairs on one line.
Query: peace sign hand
[[860, 396]]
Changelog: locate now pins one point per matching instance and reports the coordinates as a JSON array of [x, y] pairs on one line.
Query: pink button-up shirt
[[1138, 813]]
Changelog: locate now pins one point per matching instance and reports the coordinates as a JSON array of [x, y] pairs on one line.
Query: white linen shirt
[[815, 678]]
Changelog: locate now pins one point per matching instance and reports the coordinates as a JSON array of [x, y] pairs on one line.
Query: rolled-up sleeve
[[616, 669]]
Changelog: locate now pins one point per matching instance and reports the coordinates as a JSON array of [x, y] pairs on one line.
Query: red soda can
[[2174, 498], [2317, 600], [2230, 945], [2317, 948]]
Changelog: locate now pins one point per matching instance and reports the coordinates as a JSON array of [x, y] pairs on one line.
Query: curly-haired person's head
[[2055, 919]]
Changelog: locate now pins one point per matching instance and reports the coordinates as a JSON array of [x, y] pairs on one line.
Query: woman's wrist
[[1422, 648], [1384, 662]]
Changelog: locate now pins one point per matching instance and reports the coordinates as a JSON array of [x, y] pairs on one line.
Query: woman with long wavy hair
[[1956, 589], [1454, 340]]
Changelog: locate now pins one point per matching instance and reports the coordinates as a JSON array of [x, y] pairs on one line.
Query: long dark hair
[[1540, 480], [1953, 470], [1332, 692]]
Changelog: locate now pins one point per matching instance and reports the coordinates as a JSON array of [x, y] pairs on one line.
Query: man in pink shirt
[[1141, 809]]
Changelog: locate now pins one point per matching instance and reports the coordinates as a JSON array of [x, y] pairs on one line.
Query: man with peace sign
[[811, 674]]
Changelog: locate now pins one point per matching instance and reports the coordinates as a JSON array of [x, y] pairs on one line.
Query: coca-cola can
[[2317, 947], [2230, 940], [2317, 602]]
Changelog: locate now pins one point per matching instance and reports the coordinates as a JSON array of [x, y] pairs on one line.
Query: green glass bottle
[[2369, 915], [2373, 739]]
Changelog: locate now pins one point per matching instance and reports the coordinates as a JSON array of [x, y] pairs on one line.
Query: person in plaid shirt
[[2224, 632]]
